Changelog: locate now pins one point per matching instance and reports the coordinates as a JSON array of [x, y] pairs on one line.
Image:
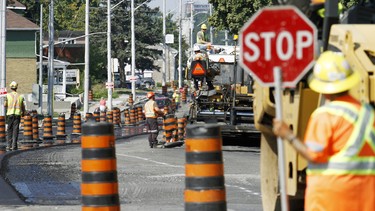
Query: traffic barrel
[[110, 116], [60, 134], [97, 116], [99, 187], [47, 131], [116, 117], [204, 169], [35, 126], [130, 100], [76, 133], [132, 116], [140, 114], [73, 110], [27, 142], [169, 123], [88, 116], [181, 128], [2, 135], [91, 97], [127, 117], [103, 116]]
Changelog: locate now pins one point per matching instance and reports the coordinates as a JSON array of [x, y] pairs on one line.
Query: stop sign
[[278, 37]]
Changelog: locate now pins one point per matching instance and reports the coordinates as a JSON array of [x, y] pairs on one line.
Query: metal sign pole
[[280, 147]]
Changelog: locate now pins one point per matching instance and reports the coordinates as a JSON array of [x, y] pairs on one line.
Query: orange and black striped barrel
[[27, 127], [140, 114], [60, 134], [97, 116], [132, 116], [110, 116], [116, 115], [204, 169], [119, 121], [77, 123], [2, 135], [169, 124], [99, 186], [181, 128], [73, 109], [127, 117], [47, 131], [130, 100], [88, 117], [103, 116], [35, 125]]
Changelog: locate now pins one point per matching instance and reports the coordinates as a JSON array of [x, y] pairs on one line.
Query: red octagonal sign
[[278, 37]]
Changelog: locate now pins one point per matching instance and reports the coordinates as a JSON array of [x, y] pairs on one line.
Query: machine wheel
[[269, 173]]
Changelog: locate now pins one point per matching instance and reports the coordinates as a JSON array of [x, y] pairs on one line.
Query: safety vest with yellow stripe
[[149, 109], [348, 161], [14, 103]]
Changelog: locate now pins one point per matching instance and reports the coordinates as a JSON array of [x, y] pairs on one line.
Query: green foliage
[[99, 90], [233, 14]]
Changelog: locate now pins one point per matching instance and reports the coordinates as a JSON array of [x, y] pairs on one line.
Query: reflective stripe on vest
[[14, 101], [149, 109], [347, 160]]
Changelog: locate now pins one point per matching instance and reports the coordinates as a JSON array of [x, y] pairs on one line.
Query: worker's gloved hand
[[281, 129]]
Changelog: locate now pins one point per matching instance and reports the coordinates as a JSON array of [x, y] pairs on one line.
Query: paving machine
[[228, 101]]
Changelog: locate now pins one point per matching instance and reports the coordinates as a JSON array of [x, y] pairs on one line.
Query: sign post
[[278, 53]]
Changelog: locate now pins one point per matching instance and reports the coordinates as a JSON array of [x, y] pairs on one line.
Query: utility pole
[[109, 69], [180, 47], [50, 60], [191, 26], [87, 58], [3, 32], [41, 60], [164, 45], [211, 28], [133, 48]]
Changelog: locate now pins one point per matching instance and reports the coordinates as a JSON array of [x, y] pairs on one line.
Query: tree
[[233, 14]]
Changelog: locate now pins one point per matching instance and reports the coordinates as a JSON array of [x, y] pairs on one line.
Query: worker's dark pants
[[13, 129], [153, 130]]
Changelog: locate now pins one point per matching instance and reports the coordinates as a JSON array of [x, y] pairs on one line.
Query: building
[[20, 50]]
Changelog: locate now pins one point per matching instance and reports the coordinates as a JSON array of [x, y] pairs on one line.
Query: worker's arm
[[282, 130]]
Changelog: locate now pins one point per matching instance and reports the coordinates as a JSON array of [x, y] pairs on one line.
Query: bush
[[99, 90]]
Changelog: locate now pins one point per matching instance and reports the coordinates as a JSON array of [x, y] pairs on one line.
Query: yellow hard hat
[[332, 74], [203, 26], [13, 85]]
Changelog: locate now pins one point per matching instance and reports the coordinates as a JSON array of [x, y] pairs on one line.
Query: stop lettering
[[283, 43]]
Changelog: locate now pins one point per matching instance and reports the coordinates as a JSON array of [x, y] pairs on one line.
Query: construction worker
[[15, 106], [202, 38], [176, 97], [339, 141], [152, 111]]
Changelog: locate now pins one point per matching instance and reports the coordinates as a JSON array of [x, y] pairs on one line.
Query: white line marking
[[146, 159]]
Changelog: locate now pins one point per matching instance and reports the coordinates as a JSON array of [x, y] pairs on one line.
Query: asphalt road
[[149, 179]]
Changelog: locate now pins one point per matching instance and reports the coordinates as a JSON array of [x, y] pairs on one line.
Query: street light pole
[[164, 48], [133, 48], [87, 58], [3, 33], [41, 60], [191, 26], [180, 47], [51, 67], [109, 66]]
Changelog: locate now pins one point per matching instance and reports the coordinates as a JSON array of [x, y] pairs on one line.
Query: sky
[[173, 5]]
